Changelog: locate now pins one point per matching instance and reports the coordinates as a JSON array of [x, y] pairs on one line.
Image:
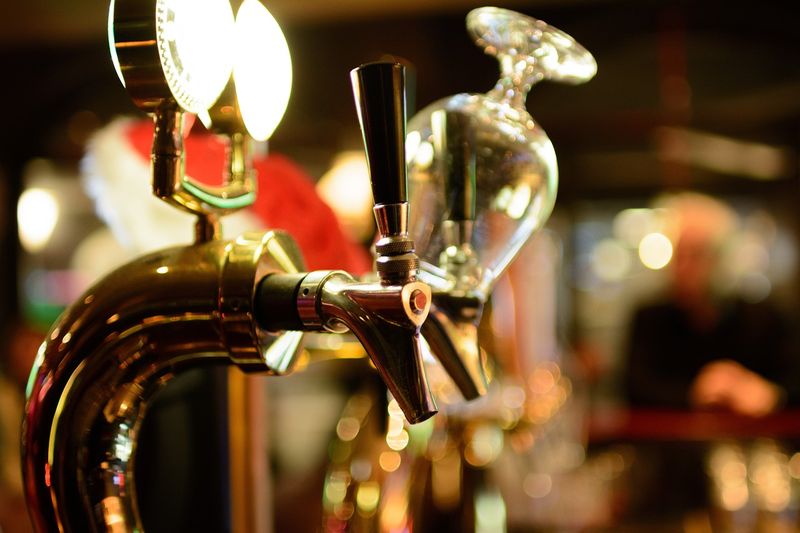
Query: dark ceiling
[[728, 68]]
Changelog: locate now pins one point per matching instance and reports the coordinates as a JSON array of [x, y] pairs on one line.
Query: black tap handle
[[379, 90], [454, 138]]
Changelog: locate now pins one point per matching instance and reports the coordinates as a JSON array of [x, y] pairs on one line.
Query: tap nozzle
[[386, 319]]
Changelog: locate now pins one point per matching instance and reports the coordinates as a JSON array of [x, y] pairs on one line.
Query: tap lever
[[379, 90]]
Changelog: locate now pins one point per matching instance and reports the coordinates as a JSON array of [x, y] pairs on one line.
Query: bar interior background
[[682, 91]]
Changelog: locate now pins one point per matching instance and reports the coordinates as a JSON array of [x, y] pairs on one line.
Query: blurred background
[[689, 96]]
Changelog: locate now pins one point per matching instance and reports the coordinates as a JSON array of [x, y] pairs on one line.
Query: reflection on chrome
[[483, 178], [114, 349]]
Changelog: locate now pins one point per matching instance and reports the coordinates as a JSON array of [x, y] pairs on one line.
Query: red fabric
[[286, 199]]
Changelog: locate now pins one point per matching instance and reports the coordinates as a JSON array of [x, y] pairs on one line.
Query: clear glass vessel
[[482, 172]]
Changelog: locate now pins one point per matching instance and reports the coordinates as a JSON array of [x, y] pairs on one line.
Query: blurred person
[[698, 347]]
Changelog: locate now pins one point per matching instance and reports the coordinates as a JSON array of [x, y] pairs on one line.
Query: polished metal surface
[[245, 260], [396, 261], [392, 219], [308, 301], [382, 319], [207, 228], [452, 328], [451, 331], [114, 348], [136, 46], [182, 307], [172, 185], [457, 232], [386, 319]]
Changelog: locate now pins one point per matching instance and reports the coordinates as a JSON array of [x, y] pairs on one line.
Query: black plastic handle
[[454, 137], [379, 91]]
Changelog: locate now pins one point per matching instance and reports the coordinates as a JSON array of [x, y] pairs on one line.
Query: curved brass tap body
[[121, 342]]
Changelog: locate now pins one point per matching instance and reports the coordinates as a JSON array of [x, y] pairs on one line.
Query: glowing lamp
[[262, 69], [175, 56], [172, 49]]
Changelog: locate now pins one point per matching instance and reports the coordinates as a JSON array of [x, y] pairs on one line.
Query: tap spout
[[451, 331], [386, 319]]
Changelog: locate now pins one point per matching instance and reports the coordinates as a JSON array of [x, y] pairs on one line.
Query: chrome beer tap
[[211, 302], [386, 315], [452, 327]]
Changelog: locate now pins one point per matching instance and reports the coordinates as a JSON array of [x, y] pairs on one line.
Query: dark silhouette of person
[[699, 349]]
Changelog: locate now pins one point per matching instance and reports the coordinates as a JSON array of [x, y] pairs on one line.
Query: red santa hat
[[117, 175]]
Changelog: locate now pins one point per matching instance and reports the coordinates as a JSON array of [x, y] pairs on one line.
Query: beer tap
[[385, 316], [242, 302]]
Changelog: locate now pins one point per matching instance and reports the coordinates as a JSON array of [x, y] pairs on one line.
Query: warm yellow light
[[399, 441], [631, 225], [655, 251], [794, 466], [513, 397], [733, 498], [390, 461], [195, 40], [345, 187], [446, 480], [336, 488], [516, 201], [368, 496], [423, 156], [520, 200], [37, 216], [490, 512], [112, 45], [413, 141], [610, 260], [113, 515], [347, 428], [394, 514], [394, 411], [542, 380], [262, 69], [484, 446]]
